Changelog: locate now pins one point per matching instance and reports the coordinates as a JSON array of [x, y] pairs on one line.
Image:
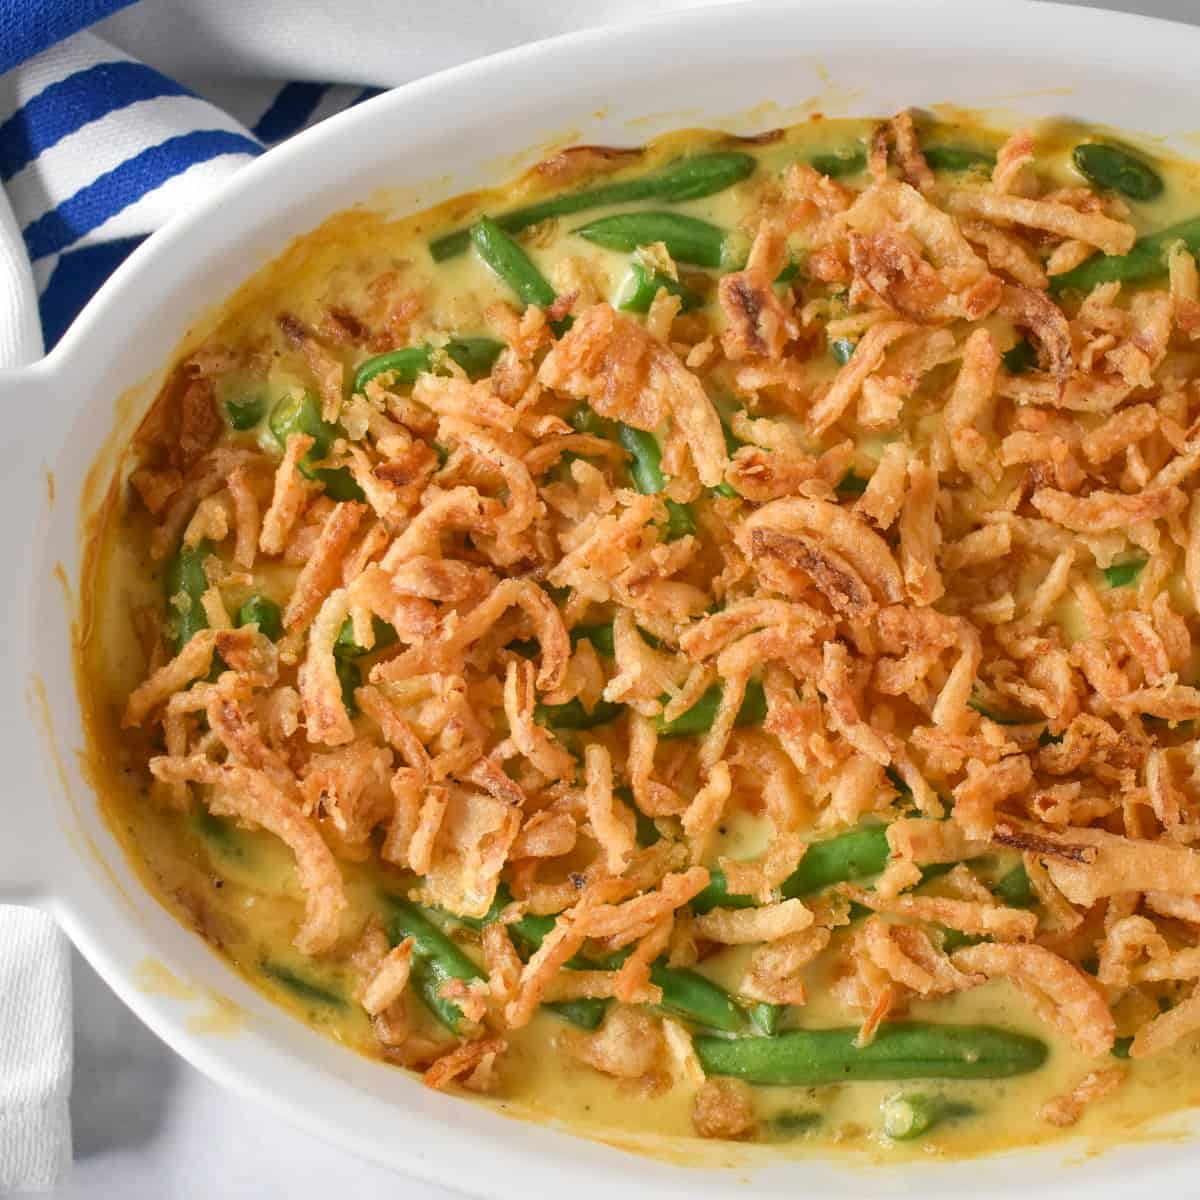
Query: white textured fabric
[[35, 1050]]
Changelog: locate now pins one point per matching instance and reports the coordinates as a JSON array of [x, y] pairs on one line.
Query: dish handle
[[28, 437]]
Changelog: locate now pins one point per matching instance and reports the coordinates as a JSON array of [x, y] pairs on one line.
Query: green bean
[[1147, 260], [699, 718], [811, 1057], [852, 484], [684, 179], [1016, 889], [840, 163], [339, 483], [221, 835], [908, 1117], [957, 158], [244, 412], [435, 961], [647, 829], [186, 583], [955, 939], [262, 611], [585, 419], [646, 471], [301, 987], [765, 1018], [587, 1014], [511, 263], [476, 356], [1020, 358], [302, 414], [573, 715], [985, 707], [643, 448], [350, 678], [688, 239], [1121, 1047], [792, 1122], [685, 993], [346, 647], [601, 636], [1115, 168], [852, 855], [842, 350], [688, 994], [642, 285], [1123, 574]]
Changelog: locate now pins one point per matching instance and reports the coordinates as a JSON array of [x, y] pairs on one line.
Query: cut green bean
[[958, 158], [644, 450], [1123, 574], [300, 986], [436, 959], [350, 680], [265, 613], [1020, 358], [573, 715], [986, 707], [646, 472], [812, 1057], [186, 583], [699, 718], [476, 356], [685, 993], [1113, 167], [586, 1013], [1121, 1047], [765, 1018], [601, 636], [842, 350], [840, 163], [856, 854], [339, 483], [245, 411], [852, 484], [911, 1116], [1016, 889], [511, 263], [684, 179], [643, 284], [1147, 260], [221, 835], [347, 647], [302, 414], [792, 1123], [687, 239]]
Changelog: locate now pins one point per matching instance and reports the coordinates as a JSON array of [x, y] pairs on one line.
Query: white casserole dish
[[744, 68]]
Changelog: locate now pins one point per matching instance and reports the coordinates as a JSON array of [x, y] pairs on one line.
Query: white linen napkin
[[35, 1050]]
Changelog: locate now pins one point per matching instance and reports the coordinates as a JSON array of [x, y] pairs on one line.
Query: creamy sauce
[[238, 890]]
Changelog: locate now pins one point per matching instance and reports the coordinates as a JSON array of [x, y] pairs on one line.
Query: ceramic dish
[[761, 66]]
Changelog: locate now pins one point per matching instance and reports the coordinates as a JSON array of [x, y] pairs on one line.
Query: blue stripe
[[368, 93], [289, 111], [27, 27], [65, 107], [77, 276], [92, 205]]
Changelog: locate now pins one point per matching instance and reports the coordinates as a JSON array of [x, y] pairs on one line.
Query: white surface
[[148, 1125]]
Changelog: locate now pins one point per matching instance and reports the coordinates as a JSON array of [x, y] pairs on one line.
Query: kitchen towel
[[35, 1050]]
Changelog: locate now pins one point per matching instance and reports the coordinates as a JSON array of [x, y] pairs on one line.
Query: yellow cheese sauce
[[237, 888]]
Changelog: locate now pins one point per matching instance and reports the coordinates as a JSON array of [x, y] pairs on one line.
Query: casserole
[[136, 319]]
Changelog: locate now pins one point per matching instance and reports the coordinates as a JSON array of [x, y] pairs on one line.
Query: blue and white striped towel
[[114, 117]]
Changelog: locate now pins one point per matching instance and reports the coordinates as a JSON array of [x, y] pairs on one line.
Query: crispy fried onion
[[250, 796]]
